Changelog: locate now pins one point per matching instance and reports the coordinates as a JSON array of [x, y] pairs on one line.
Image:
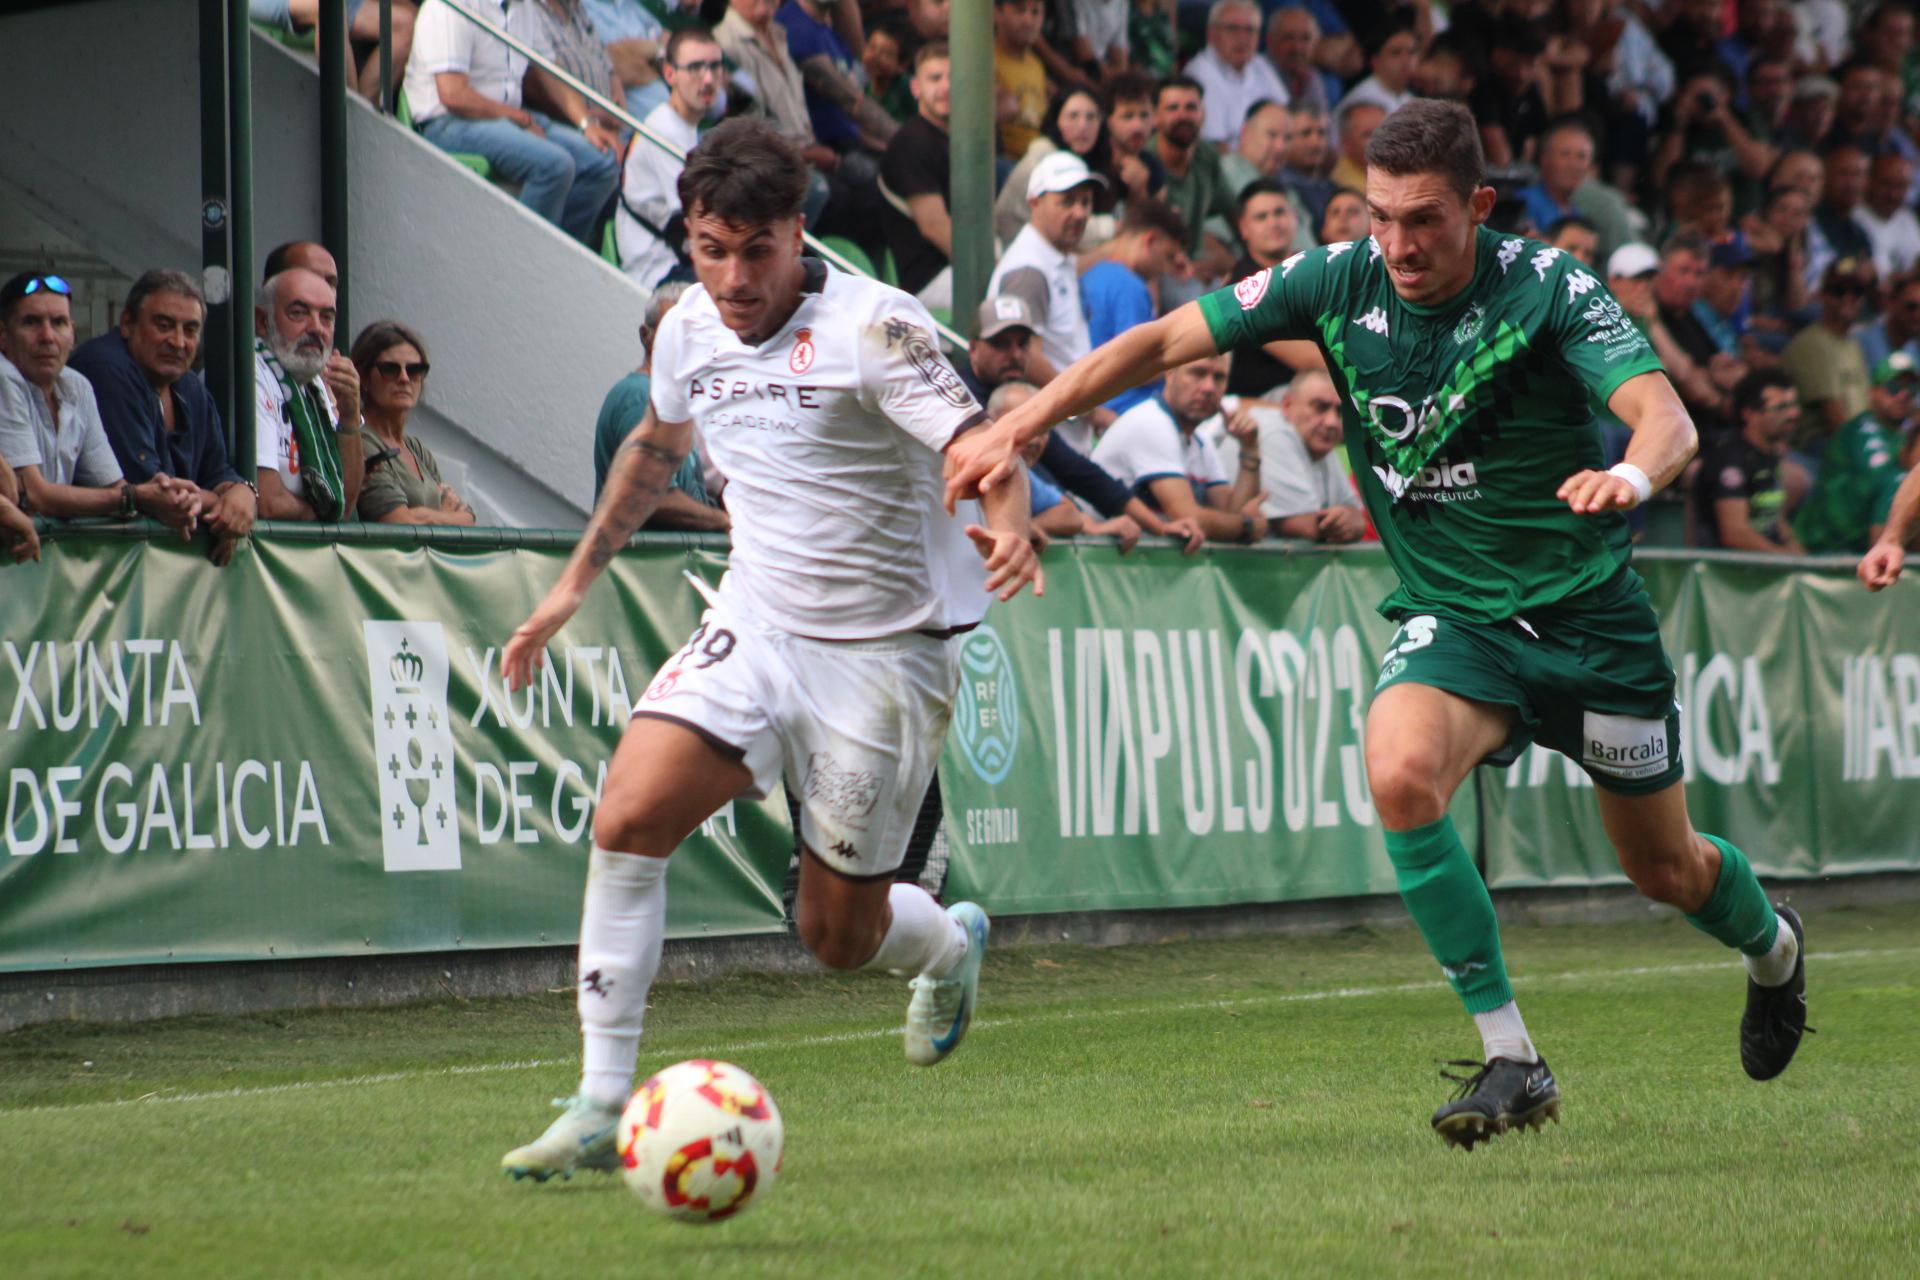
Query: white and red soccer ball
[[700, 1141]]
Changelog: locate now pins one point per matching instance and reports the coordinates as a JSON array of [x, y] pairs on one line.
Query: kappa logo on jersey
[[1337, 248], [1509, 253], [1286, 268], [1250, 290], [1375, 320], [927, 361], [1373, 247], [1579, 282], [1542, 260], [802, 358], [1469, 327]]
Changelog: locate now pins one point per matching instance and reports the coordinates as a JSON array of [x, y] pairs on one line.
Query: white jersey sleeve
[[669, 394], [1142, 445], [904, 377]]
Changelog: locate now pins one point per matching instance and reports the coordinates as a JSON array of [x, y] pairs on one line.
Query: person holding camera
[[1704, 127]]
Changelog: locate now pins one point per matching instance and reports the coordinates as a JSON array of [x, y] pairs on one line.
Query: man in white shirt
[[1230, 76], [829, 656], [1039, 267], [1158, 448], [1308, 493], [50, 428], [648, 226], [1890, 225], [464, 90]]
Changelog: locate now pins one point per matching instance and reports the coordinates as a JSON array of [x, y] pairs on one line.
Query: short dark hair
[[1376, 40], [1560, 124], [379, 338], [1177, 82], [929, 51], [278, 255], [1131, 86], [15, 289], [1574, 220], [744, 172], [1258, 187], [1750, 391], [1685, 240], [686, 36], [1149, 214], [1517, 34], [162, 280], [1431, 135]]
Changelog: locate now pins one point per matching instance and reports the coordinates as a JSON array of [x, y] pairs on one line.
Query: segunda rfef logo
[[987, 719]]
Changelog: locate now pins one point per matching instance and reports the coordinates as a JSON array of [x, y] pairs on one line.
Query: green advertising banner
[[310, 752]]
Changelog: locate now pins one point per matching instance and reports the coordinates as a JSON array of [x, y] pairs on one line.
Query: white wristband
[[1642, 487]]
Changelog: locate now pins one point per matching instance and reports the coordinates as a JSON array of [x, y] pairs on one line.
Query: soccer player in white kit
[[828, 656]]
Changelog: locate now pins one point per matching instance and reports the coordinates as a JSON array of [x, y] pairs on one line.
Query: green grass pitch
[[1254, 1107]]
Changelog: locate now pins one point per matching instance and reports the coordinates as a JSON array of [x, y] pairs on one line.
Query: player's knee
[[837, 943], [1406, 790]]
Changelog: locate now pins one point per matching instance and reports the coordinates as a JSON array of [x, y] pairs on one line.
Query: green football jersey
[[1463, 420], [1853, 490]]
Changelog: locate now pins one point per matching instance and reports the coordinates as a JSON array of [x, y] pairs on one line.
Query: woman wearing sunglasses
[[403, 481]]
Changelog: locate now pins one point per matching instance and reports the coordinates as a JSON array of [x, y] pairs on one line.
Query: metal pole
[[972, 169], [240, 222], [334, 56], [386, 57], [215, 207]]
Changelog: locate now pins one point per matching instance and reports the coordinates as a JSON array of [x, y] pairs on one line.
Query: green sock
[[1449, 901], [1737, 912]]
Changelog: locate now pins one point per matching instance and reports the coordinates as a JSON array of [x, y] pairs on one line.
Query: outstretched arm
[[640, 477], [1663, 440], [1881, 566], [1005, 542], [980, 460]]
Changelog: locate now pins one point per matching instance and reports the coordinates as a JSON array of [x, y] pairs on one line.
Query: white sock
[[622, 925], [1776, 966], [1504, 1035], [922, 937]]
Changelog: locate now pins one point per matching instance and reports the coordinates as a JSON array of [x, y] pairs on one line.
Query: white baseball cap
[[1061, 171], [1632, 260]]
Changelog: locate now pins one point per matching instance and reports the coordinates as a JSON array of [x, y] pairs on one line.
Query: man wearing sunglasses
[[1823, 358], [159, 418], [50, 429]]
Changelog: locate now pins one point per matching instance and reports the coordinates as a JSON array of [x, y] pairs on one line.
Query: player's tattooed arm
[[1664, 440], [642, 474]]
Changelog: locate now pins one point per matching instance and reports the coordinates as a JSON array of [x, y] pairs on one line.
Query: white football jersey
[[830, 435]]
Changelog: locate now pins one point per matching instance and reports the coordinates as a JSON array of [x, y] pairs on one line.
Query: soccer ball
[[700, 1141]]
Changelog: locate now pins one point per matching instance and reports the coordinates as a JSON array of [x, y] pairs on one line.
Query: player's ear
[[1480, 205]]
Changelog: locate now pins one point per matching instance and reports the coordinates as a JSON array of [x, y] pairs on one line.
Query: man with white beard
[[307, 403]]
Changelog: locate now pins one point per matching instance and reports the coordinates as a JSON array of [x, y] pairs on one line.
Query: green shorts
[[1592, 683]]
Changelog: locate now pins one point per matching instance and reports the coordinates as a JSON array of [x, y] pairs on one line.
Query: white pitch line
[[878, 1033]]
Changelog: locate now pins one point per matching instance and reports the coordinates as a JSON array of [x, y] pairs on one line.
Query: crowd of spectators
[[1743, 173]]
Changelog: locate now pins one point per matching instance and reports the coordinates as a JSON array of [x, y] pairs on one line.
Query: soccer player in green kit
[[1468, 365]]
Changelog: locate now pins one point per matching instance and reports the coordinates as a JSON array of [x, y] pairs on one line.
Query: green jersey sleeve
[[1594, 335], [1273, 304]]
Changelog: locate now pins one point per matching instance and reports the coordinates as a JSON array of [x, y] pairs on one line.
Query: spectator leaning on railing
[[686, 505], [306, 404], [403, 484], [1308, 493], [159, 417], [19, 540], [50, 429]]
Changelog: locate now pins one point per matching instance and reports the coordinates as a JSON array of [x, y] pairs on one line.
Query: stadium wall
[[309, 753], [99, 138]]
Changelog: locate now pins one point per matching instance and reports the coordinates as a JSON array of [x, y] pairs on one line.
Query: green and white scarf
[[306, 410]]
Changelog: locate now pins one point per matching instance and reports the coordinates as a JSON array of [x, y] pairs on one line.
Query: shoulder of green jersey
[[1509, 253]]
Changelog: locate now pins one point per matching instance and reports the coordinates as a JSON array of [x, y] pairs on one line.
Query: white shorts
[[854, 727]]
